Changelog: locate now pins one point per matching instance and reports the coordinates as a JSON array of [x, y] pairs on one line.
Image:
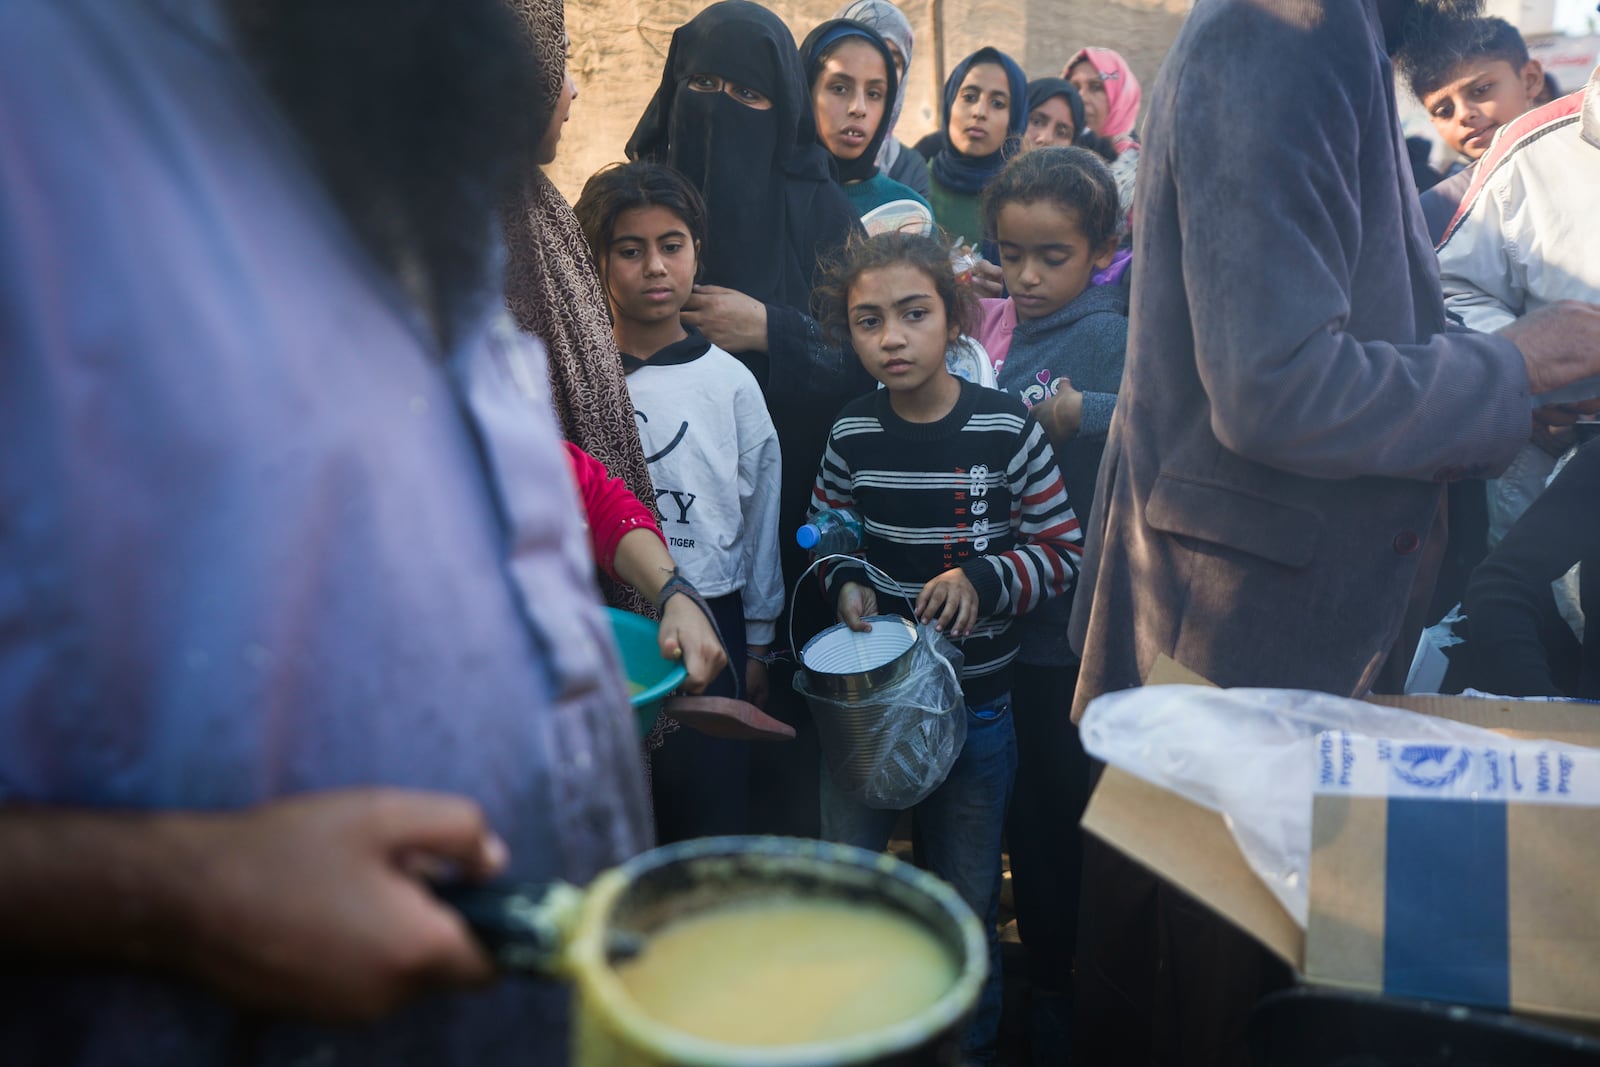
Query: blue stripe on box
[[1445, 933]]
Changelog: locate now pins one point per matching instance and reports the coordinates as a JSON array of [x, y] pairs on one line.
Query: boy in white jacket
[[1527, 234], [713, 457]]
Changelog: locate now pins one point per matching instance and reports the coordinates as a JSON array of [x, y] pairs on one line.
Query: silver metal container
[[842, 664]]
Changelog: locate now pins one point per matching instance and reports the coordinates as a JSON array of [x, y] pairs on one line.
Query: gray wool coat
[[1291, 403]]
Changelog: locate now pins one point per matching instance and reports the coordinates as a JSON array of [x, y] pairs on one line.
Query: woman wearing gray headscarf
[[894, 158]]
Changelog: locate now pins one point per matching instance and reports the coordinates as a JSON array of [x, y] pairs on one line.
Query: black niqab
[[772, 205]]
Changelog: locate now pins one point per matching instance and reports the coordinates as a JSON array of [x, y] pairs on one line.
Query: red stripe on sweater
[[1025, 601]]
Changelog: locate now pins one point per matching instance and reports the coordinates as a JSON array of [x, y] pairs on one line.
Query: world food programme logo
[[1431, 766]]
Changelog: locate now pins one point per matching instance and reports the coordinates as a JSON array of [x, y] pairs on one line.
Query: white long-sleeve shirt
[[716, 466]]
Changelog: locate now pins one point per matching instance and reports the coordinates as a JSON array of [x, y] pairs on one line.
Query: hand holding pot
[[315, 906]]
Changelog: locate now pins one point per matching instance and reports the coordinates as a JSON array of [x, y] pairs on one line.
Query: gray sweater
[[1084, 341]]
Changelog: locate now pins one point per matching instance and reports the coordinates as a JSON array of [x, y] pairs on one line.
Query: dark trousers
[[1161, 978], [1042, 834], [784, 775], [700, 785]]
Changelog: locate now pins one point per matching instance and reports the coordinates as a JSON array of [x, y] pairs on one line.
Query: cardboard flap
[[1190, 847], [1573, 722]]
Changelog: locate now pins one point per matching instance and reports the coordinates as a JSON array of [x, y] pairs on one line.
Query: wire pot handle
[[875, 573]]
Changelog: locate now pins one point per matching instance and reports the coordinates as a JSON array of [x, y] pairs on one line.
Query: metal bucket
[[846, 677]]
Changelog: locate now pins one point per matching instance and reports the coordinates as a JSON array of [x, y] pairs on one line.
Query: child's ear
[[1107, 252], [1533, 80]]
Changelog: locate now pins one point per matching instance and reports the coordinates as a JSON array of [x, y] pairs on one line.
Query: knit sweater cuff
[[1096, 418], [986, 580]]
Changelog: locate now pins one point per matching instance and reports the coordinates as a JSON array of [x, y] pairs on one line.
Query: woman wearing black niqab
[[771, 198], [733, 114]]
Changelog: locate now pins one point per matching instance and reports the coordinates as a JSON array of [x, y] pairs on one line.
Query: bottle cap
[[808, 535]]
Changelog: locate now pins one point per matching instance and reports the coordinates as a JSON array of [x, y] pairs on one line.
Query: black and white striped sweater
[[980, 490]]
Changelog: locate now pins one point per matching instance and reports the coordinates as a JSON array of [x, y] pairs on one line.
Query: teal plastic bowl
[[650, 678]]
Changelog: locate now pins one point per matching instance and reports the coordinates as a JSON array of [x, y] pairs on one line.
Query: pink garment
[[997, 322], [609, 506], [1122, 93]]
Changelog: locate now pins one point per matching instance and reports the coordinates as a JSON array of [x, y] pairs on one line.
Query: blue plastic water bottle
[[831, 530]]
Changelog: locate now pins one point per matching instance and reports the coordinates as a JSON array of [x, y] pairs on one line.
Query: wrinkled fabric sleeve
[[760, 477], [1484, 284], [1270, 287], [1096, 418], [803, 363]]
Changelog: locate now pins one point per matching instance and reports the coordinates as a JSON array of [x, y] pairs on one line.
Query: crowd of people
[[331, 424]]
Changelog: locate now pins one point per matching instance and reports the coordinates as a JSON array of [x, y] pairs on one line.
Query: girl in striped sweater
[[964, 508]]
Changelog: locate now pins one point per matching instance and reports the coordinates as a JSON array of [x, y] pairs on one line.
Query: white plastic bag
[[1255, 756], [892, 748]]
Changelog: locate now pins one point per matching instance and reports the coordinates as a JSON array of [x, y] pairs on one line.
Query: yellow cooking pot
[[590, 937]]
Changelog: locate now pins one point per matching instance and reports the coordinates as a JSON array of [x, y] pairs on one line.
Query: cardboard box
[[1533, 943]]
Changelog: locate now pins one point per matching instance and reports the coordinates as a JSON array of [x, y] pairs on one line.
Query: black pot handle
[[524, 927]]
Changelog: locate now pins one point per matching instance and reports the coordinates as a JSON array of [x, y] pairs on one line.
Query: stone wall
[[620, 46]]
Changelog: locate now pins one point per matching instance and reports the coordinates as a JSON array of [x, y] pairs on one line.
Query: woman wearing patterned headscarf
[[554, 291], [1111, 108], [894, 158]]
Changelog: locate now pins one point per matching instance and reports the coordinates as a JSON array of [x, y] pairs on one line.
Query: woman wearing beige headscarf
[[554, 291]]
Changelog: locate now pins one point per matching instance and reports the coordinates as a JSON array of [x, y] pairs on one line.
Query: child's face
[[1049, 124], [1480, 97], [1046, 259], [981, 115], [849, 98], [650, 265], [899, 328]]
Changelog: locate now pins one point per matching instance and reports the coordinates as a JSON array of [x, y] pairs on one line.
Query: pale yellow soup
[[788, 972]]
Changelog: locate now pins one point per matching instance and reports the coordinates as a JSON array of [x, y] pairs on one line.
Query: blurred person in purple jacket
[[295, 603]]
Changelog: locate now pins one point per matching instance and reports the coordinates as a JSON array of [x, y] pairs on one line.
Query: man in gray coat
[[1291, 409]]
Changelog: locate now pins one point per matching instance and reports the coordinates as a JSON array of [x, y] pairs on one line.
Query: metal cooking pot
[[577, 935]]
